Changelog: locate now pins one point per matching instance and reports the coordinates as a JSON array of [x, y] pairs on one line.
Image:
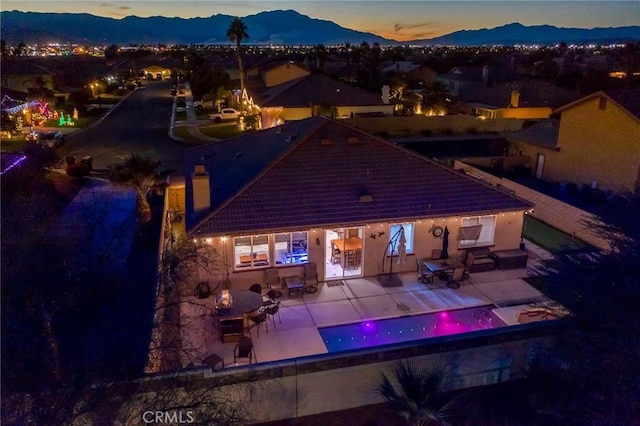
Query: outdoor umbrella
[[445, 244], [402, 248]]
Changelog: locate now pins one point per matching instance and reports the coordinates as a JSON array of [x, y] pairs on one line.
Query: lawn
[[182, 133]]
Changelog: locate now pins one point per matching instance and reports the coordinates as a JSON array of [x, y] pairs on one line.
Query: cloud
[[113, 6]]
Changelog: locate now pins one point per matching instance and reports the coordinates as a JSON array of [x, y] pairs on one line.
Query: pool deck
[[358, 299]]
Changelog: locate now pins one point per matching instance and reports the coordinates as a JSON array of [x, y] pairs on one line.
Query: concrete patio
[[356, 300]]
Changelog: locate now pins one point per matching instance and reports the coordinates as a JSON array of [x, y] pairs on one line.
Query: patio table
[[445, 267], [294, 283]]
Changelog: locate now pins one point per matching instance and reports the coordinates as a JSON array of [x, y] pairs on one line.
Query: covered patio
[[505, 292]]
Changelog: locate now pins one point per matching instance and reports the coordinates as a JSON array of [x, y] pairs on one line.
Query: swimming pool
[[372, 333]]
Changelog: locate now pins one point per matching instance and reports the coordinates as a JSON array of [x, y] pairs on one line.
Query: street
[[139, 124]]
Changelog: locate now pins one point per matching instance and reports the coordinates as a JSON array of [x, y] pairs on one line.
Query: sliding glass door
[[343, 253]]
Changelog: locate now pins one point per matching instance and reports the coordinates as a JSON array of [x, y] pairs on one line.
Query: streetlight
[[93, 93]]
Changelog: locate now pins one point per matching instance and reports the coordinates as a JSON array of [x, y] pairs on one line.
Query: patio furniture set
[[475, 260]]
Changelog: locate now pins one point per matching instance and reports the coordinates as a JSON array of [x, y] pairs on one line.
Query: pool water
[[373, 333]]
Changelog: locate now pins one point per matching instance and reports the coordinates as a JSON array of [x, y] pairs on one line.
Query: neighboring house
[[253, 66], [415, 73], [29, 74], [295, 194], [312, 95], [281, 72], [156, 72], [525, 99], [596, 142], [460, 80]]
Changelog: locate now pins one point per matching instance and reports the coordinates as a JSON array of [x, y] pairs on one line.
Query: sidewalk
[[192, 123]]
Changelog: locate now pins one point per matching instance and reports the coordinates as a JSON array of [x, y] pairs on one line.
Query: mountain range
[[267, 28]]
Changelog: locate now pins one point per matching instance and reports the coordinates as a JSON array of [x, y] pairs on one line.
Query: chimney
[[515, 99], [485, 76], [385, 94], [201, 190]]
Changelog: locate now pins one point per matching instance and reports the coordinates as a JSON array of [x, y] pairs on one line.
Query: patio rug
[[335, 283]]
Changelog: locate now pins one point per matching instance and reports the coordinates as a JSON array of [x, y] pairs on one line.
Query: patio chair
[[256, 288], [244, 349], [273, 279], [272, 310], [425, 276], [259, 318], [310, 275]]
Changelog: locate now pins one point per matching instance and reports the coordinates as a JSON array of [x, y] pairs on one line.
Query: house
[[596, 142], [459, 80], [312, 95], [415, 73], [320, 191], [28, 74], [253, 67], [281, 72], [524, 99]]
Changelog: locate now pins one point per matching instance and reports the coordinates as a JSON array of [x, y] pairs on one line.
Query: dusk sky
[[398, 20]]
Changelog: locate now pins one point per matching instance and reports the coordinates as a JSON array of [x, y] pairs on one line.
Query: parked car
[[200, 105], [225, 114], [52, 139]]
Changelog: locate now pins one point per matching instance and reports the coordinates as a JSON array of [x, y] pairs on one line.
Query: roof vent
[[353, 140], [327, 141], [366, 199]]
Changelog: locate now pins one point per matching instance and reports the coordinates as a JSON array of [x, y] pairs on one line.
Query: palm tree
[[237, 32], [412, 396], [139, 173]]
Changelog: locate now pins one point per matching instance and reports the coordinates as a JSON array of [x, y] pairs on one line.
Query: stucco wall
[[507, 236], [556, 213], [405, 125], [323, 383], [527, 113], [282, 74], [596, 145]]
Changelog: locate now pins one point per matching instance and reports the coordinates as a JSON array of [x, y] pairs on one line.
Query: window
[[251, 251], [408, 236], [291, 248], [477, 231]]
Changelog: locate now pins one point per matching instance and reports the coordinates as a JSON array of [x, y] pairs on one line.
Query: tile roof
[[543, 133], [315, 89], [316, 180], [533, 93], [628, 99]]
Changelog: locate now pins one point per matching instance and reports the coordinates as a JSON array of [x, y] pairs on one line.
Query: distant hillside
[[281, 27], [539, 34], [263, 28]]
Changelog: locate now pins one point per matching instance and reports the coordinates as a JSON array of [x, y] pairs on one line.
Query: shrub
[[427, 132]]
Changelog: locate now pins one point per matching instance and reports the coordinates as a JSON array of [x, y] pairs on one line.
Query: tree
[[237, 32], [3, 48], [597, 353], [139, 173], [413, 394], [21, 49]]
